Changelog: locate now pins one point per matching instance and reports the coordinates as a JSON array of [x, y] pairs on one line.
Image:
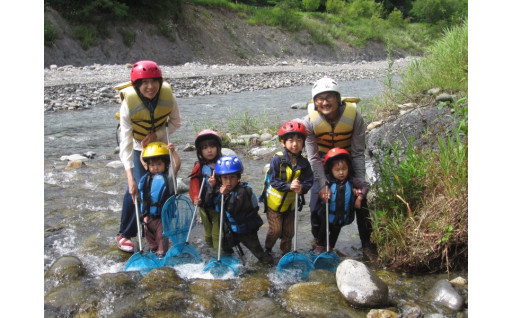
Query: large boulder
[[360, 286], [444, 293]]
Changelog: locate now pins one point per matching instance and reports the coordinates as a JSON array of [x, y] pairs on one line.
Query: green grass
[[420, 204], [50, 33], [445, 66]]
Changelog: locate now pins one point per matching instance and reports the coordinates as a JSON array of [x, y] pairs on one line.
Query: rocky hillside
[[205, 35]]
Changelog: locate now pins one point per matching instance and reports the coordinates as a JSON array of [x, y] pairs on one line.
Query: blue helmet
[[228, 164]]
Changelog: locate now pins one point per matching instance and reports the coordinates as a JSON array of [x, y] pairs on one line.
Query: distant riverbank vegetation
[[410, 25]]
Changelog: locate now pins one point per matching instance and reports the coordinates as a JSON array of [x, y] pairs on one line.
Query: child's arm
[[175, 158], [273, 173], [360, 191], [195, 184]]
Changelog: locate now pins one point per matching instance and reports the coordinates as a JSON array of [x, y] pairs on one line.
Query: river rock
[[263, 307], [161, 278], [253, 287], [265, 137], [182, 186], [445, 97], [74, 164], [74, 157], [360, 286], [227, 152], [262, 152], [444, 293], [65, 269], [75, 296], [459, 281], [189, 147], [381, 313], [313, 299], [300, 105], [115, 164]]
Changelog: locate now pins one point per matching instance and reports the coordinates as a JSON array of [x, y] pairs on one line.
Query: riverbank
[[76, 88]]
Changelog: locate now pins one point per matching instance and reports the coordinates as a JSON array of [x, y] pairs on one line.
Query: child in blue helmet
[[240, 207], [346, 194]]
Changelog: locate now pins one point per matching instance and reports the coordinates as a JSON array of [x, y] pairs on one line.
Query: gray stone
[[360, 286], [115, 164], [444, 293]]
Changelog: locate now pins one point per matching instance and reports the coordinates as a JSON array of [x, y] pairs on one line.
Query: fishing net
[[177, 214]]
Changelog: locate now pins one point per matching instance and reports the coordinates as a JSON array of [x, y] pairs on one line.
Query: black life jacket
[[243, 222]]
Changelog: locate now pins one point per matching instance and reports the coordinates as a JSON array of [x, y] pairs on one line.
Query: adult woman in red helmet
[[146, 106]]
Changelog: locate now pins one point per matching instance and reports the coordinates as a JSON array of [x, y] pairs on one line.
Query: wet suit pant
[[364, 224], [128, 226]]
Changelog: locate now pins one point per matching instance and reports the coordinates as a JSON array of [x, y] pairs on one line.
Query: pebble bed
[[77, 88]]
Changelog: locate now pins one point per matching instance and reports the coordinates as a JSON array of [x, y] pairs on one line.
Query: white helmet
[[325, 85]]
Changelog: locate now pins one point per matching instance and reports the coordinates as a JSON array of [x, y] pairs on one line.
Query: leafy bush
[[50, 33], [335, 6], [445, 66], [87, 36], [395, 18], [311, 5], [420, 211], [128, 37], [446, 12]]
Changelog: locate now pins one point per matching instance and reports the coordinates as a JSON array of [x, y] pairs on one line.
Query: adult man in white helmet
[[333, 122]]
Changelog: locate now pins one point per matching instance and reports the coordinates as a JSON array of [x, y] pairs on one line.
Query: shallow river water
[[82, 207]]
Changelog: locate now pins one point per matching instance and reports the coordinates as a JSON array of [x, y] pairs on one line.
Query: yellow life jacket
[[282, 201], [144, 122], [340, 135]]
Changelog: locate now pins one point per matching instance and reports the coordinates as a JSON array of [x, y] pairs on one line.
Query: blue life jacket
[[243, 222], [154, 191], [341, 204]]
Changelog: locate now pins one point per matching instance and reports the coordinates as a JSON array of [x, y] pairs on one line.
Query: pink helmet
[[145, 69]]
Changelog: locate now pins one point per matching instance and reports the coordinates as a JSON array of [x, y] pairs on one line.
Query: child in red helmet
[[289, 174], [346, 193]]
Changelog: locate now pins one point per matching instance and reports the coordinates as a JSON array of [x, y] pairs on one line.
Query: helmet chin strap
[[291, 154]]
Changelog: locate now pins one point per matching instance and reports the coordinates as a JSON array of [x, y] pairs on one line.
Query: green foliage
[[50, 33], [167, 28], [460, 116], [445, 66], [128, 37], [335, 6], [310, 5], [87, 36], [91, 11], [364, 9], [444, 12], [395, 18], [398, 176]]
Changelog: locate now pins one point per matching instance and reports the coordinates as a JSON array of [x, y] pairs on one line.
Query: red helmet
[[335, 152], [292, 126], [207, 134], [145, 69]]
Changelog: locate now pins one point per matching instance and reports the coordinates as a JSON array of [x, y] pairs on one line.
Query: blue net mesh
[[295, 264], [177, 215]]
